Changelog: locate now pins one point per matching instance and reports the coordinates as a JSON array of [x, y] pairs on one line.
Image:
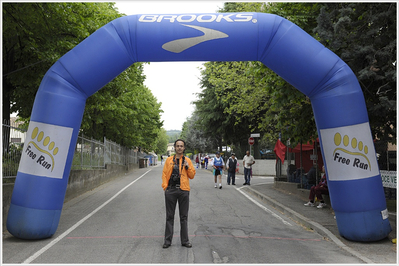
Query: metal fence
[[117, 154], [13, 139], [89, 153]]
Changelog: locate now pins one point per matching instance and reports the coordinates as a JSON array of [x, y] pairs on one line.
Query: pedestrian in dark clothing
[[231, 169], [312, 175]]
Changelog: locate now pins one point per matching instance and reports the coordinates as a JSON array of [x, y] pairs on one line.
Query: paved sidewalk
[[323, 222]]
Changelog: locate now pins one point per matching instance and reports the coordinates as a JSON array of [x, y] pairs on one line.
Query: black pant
[[231, 175], [172, 196]]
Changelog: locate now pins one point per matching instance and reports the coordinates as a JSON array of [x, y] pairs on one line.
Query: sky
[[174, 84]]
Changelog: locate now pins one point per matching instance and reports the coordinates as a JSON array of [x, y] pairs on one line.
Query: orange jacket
[[185, 174]]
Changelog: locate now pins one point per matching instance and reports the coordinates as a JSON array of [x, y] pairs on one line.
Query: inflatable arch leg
[[341, 117]]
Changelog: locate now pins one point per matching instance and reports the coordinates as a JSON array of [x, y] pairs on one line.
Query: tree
[[364, 36], [196, 139], [254, 97], [239, 97], [35, 36], [124, 111], [162, 142], [214, 101]]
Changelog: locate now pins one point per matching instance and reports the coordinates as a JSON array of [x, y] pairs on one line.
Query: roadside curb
[[318, 228]]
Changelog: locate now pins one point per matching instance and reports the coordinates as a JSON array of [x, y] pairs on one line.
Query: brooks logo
[[178, 46]]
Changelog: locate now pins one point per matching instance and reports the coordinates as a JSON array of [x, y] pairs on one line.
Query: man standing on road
[[248, 161], [218, 167], [176, 173], [231, 169]]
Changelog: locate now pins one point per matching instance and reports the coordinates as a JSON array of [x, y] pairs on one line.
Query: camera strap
[[175, 164]]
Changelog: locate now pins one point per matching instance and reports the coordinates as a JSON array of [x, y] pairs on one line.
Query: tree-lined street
[[236, 99], [123, 222]]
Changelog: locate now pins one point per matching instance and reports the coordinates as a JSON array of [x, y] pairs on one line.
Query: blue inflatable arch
[[355, 185]]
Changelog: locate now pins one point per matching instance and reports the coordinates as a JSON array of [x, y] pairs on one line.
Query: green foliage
[[243, 97], [239, 98], [210, 107], [162, 142], [196, 138], [364, 36], [124, 111], [289, 111], [36, 35]]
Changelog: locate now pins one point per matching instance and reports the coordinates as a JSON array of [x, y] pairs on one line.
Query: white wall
[[265, 167]]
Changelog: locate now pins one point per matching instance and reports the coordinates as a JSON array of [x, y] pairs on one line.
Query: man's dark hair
[[180, 140]]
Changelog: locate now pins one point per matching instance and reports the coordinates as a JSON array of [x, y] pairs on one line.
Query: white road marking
[[263, 207], [55, 241]]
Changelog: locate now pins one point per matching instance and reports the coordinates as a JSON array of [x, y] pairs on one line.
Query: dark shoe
[[228, 184], [166, 245], [248, 184], [187, 245], [233, 184], [220, 187], [244, 184]]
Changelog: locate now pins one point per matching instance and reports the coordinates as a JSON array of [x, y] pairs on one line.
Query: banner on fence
[[388, 178]]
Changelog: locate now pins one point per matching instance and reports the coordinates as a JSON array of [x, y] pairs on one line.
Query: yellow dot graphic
[[354, 143], [360, 145], [366, 149], [34, 132], [337, 139], [51, 146], [46, 141], [346, 140], [55, 151], [40, 137]]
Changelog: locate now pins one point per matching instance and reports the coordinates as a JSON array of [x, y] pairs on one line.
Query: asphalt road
[[123, 222]]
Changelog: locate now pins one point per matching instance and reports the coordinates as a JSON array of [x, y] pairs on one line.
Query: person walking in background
[[177, 172], [206, 161], [197, 161], [161, 159], [231, 169], [248, 161], [218, 167], [317, 191]]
